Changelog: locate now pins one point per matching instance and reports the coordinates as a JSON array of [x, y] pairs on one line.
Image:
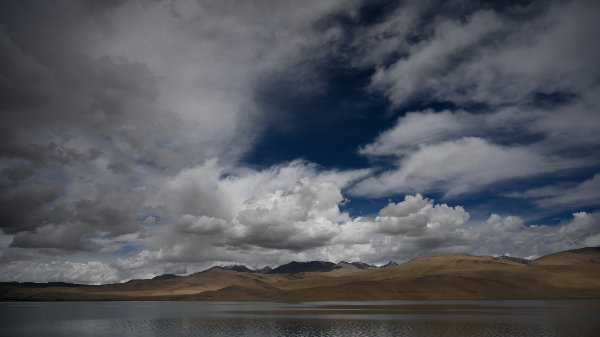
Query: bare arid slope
[[569, 274]]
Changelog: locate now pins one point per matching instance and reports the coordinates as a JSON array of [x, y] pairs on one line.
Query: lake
[[360, 318]]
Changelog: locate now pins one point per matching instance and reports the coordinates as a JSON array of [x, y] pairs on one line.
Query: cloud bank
[[128, 126]]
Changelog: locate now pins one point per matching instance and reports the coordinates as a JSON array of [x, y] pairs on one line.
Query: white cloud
[[536, 77], [456, 167], [92, 272], [126, 115], [201, 225], [215, 212], [220, 191], [561, 196], [419, 128], [497, 59], [208, 59], [410, 205], [509, 235], [307, 216], [420, 71], [418, 224], [137, 94], [305, 224], [442, 150]]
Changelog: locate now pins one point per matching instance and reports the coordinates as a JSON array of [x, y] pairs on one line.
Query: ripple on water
[[233, 327], [179, 319]]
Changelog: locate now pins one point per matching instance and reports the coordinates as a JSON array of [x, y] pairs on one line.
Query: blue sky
[[140, 138]]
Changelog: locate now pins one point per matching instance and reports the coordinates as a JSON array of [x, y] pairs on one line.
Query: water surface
[[364, 318]]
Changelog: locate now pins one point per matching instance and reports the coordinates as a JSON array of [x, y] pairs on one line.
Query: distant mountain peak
[[358, 265], [264, 270], [234, 267], [514, 259], [239, 268], [389, 264], [165, 277], [304, 267]]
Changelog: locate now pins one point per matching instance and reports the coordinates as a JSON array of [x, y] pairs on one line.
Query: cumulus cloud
[[509, 234], [305, 224], [201, 225], [307, 216], [220, 213], [416, 215], [417, 224]]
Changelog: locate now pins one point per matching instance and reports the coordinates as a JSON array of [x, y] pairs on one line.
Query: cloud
[[44, 216], [307, 216], [439, 151], [22, 205], [418, 217], [134, 95], [305, 224], [456, 167], [417, 73], [507, 235], [259, 208], [65, 236], [418, 128], [126, 126], [497, 57], [587, 193], [92, 272], [200, 225], [410, 205], [221, 213], [522, 79]]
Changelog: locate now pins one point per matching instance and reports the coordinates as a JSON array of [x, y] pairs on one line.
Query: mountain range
[[568, 274]]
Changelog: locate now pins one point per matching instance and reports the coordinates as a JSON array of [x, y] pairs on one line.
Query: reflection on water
[[397, 318]]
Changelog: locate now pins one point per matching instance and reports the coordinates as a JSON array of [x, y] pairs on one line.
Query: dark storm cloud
[[61, 100], [33, 214], [22, 207], [64, 237], [16, 174], [64, 112], [118, 167]]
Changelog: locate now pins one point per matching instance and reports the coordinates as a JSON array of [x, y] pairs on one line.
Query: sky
[[146, 137]]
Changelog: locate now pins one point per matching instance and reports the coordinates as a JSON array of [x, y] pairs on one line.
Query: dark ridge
[[389, 264], [165, 277], [238, 267], [264, 270], [586, 250], [304, 267], [514, 259]]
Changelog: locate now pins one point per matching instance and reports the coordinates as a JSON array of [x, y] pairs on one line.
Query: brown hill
[[569, 274]]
